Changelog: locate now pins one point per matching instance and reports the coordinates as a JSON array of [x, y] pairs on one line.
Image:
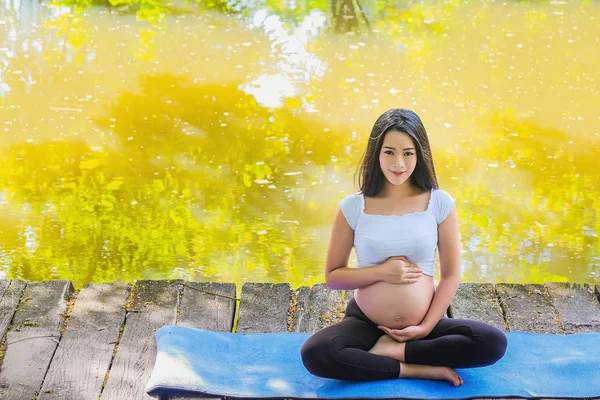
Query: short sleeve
[[444, 204], [350, 208]]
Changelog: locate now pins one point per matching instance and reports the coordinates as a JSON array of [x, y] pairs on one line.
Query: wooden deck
[[99, 343]]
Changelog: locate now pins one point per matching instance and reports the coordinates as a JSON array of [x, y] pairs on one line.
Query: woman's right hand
[[397, 269]]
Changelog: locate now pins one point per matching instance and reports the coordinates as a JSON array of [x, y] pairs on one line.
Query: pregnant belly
[[396, 305]]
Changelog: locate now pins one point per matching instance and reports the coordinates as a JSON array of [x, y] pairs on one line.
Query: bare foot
[[430, 372], [387, 346]]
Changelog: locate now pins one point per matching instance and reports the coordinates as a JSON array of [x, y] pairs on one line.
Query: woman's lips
[[397, 174]]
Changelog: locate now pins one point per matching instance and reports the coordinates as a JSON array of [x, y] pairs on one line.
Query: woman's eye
[[409, 153]]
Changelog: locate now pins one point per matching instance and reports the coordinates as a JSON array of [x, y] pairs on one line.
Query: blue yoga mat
[[269, 365]]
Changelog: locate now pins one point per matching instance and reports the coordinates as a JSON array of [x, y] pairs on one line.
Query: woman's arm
[[449, 249], [353, 278], [337, 274]]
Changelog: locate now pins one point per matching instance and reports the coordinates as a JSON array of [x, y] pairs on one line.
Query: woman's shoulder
[[442, 194], [354, 195], [351, 199], [443, 204], [351, 206]]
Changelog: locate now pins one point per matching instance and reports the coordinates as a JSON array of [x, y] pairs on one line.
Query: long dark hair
[[371, 178]]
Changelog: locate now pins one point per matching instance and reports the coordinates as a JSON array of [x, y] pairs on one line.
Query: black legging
[[340, 351]]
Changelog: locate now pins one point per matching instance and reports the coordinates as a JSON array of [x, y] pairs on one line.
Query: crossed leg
[[456, 343]]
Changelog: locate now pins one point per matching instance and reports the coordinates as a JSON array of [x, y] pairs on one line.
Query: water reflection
[[212, 141]]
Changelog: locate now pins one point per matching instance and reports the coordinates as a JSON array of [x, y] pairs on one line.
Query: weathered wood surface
[[85, 350], [208, 305], [317, 308], [527, 308], [577, 307], [154, 305], [32, 341], [85, 347], [264, 308], [479, 302], [10, 294]]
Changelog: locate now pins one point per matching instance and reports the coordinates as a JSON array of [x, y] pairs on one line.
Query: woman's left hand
[[406, 334]]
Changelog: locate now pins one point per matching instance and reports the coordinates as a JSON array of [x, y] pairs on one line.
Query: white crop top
[[413, 235]]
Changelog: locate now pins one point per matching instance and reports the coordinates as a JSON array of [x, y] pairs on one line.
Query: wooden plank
[[154, 305], [527, 308], [208, 305], [83, 355], [317, 307], [478, 302], [10, 294], [33, 338], [4, 284], [264, 308], [576, 306]]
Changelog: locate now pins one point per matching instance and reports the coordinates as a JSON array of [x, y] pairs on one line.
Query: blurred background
[[212, 140]]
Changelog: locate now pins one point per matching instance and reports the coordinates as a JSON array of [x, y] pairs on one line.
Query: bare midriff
[[396, 305]]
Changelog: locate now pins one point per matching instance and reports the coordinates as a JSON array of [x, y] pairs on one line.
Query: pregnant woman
[[394, 326]]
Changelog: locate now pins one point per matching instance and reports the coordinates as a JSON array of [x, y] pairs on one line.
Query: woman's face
[[398, 154]]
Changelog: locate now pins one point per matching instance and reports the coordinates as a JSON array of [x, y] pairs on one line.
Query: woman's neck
[[399, 192]]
